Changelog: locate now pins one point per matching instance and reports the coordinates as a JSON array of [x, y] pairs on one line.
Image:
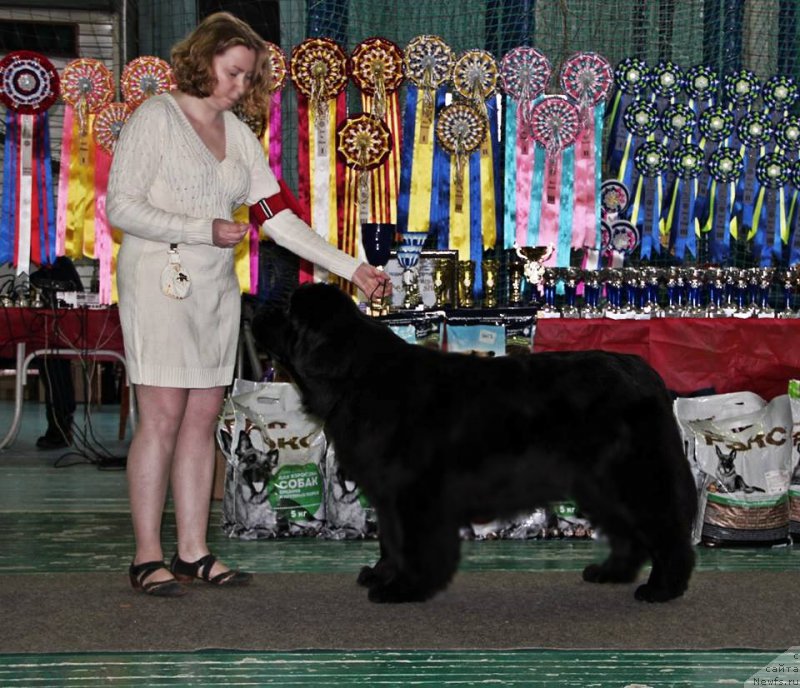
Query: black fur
[[436, 440]]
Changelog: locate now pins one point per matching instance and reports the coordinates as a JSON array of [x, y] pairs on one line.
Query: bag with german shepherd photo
[[275, 453]]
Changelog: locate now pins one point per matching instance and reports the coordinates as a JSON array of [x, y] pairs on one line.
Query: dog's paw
[[653, 593], [367, 576], [600, 573], [397, 592]]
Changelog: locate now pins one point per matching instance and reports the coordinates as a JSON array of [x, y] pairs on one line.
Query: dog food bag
[[520, 328], [347, 511], [565, 522], [745, 462], [712, 407], [274, 483], [420, 328], [481, 339], [794, 481]]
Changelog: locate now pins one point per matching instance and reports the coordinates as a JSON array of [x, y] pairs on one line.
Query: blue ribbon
[[566, 210], [475, 220], [648, 222], [407, 157], [8, 222], [510, 175]]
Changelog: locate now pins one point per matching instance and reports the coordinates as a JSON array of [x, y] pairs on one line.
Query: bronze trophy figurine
[[466, 280], [491, 273]]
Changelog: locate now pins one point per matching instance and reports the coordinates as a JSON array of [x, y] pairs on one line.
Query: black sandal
[[186, 572], [139, 573]]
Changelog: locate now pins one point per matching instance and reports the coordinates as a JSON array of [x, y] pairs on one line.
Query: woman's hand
[[227, 234], [373, 282]]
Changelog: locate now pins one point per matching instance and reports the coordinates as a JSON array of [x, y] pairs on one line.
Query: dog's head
[[315, 339]]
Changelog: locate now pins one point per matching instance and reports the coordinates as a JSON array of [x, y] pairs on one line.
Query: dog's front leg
[[421, 545], [380, 572]]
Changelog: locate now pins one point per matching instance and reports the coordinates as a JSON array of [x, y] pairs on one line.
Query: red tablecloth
[[79, 329], [726, 354]]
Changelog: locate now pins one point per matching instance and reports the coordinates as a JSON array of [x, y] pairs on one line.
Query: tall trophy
[[408, 253], [491, 277], [466, 282], [377, 238]]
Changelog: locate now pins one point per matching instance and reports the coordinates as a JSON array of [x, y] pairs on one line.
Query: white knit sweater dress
[[165, 187]]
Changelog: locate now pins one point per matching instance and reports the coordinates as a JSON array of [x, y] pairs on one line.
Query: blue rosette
[[754, 130], [725, 167], [716, 124], [641, 118], [666, 80], [677, 121], [687, 162], [741, 88], [787, 133], [779, 94], [651, 161], [630, 84], [701, 83], [771, 222]]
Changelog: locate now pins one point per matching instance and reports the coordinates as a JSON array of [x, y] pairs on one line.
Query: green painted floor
[[60, 513]]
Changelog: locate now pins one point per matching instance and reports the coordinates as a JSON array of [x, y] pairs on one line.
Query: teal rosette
[[677, 121], [640, 118], [741, 88], [701, 82], [716, 123], [787, 133], [666, 79], [779, 93], [754, 129]]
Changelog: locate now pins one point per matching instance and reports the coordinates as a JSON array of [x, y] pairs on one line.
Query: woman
[[183, 162]]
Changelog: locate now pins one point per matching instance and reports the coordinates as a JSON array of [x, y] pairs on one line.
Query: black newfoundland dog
[[437, 440]]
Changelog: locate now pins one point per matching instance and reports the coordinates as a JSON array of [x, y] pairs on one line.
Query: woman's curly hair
[[193, 56]]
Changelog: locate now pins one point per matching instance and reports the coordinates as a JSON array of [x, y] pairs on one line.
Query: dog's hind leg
[[673, 561], [382, 569]]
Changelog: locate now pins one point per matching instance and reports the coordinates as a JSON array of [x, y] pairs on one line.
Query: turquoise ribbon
[[510, 174], [566, 209]]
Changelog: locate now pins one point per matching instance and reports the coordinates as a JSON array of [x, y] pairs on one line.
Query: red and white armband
[[267, 208]]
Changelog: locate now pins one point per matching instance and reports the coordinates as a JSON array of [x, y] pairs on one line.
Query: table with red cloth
[[757, 355], [73, 332]]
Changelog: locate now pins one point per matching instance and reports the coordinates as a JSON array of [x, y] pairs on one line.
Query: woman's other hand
[[227, 234]]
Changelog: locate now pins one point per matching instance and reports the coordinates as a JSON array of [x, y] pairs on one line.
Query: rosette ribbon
[[106, 128], [461, 130], [630, 82], [715, 126], [640, 121], [725, 168], [524, 74], [144, 77], [29, 86], [754, 133], [425, 168], [651, 160], [779, 95], [87, 87], [555, 126], [686, 162], [318, 69], [268, 128], [794, 214], [363, 142], [587, 77], [770, 222], [376, 67]]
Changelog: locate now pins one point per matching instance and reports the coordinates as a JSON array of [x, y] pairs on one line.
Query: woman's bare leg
[[150, 459], [193, 473]]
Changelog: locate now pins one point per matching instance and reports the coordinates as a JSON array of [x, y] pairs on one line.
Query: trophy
[[442, 282], [695, 277], [516, 273], [491, 273], [570, 275], [549, 282], [377, 238], [591, 295], [788, 279], [765, 277], [715, 286], [466, 279], [408, 256]]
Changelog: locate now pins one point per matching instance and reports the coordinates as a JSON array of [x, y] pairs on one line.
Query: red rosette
[[555, 123], [586, 77], [88, 81], [29, 82], [377, 65], [318, 68], [144, 77], [363, 141], [278, 66], [108, 124]]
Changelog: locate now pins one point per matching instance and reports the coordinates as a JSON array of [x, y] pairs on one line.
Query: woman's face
[[233, 71]]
